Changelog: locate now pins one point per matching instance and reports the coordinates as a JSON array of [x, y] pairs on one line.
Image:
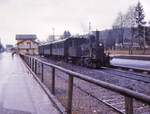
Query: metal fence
[[37, 66]]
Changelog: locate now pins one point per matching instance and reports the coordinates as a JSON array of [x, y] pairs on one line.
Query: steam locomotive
[[86, 51]]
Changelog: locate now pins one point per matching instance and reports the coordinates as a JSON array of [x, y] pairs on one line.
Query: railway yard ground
[[90, 99]]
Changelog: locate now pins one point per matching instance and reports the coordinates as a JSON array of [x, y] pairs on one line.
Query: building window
[[29, 44]]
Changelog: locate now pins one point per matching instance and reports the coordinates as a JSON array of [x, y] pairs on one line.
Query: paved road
[[131, 63], [19, 92]]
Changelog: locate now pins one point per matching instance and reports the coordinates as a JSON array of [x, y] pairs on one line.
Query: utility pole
[[53, 29], [89, 27]]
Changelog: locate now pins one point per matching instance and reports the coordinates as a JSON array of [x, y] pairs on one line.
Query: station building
[[26, 44]]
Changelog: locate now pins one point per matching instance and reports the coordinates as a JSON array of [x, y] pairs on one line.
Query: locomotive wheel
[[89, 63], [98, 65], [94, 65], [82, 62], [66, 60]]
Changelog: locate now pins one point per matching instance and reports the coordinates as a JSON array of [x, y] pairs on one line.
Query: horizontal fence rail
[[129, 95]]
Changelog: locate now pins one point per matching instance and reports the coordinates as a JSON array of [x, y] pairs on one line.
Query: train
[[86, 51]]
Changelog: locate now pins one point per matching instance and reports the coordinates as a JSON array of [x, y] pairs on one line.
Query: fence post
[[70, 93], [29, 61], [128, 105], [42, 72], [35, 66], [38, 68], [53, 80]]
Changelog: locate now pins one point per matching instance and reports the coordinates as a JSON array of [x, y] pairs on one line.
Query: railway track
[[135, 69], [111, 99], [127, 74]]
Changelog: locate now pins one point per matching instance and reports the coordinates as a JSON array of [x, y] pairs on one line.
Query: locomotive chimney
[[97, 36]]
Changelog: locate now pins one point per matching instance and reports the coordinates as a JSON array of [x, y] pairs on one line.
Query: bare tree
[[119, 26], [130, 20], [130, 23], [50, 38], [133, 20], [110, 41]]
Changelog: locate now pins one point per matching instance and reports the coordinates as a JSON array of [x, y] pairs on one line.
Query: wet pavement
[[131, 63], [19, 92]]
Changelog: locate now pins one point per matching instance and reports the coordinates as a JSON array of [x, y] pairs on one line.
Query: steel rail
[[131, 67], [137, 77]]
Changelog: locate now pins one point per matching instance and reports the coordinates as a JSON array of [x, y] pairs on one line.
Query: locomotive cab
[[98, 54], [96, 57]]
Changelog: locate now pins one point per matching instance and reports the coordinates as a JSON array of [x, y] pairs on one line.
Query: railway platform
[[19, 91]]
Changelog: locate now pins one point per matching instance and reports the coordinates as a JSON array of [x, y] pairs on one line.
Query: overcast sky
[[40, 16]]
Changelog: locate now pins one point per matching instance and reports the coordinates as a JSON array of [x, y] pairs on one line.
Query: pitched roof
[[25, 40], [26, 37]]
